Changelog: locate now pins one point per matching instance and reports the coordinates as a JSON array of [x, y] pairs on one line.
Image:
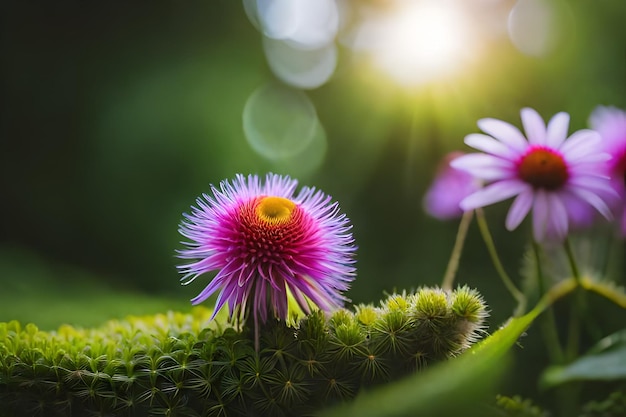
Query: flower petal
[[540, 215], [493, 193], [594, 200], [504, 132], [449, 187], [534, 126], [557, 130], [482, 166], [595, 184], [610, 123], [557, 226], [581, 143], [519, 209], [489, 145]]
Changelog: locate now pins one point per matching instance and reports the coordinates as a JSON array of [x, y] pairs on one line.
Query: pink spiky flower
[[268, 245], [546, 172]]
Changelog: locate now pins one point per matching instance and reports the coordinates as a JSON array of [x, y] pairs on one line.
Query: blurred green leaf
[[38, 290], [459, 384], [606, 361]]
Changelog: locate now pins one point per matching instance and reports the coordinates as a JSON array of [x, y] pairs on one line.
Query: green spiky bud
[[185, 364]]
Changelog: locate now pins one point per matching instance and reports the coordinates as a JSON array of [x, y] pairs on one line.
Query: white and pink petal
[[505, 133], [493, 193], [534, 126], [519, 209]]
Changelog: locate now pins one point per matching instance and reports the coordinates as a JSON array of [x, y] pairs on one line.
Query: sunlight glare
[[422, 40]]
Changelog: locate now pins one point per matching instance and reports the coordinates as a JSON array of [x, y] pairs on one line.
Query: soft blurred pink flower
[[449, 187], [610, 123]]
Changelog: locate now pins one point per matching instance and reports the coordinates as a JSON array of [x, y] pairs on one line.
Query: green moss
[[517, 406], [182, 364]]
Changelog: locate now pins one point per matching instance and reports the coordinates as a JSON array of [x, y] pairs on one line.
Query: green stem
[[453, 263], [572, 261], [569, 394], [548, 322], [508, 283], [577, 306]]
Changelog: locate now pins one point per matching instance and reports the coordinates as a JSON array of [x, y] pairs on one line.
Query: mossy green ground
[[180, 364]]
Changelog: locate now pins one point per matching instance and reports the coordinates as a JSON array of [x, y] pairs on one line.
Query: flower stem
[[577, 306], [508, 283], [572, 261], [453, 263], [548, 323]]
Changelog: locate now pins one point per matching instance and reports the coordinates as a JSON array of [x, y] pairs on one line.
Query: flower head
[[449, 187], [268, 246], [547, 172], [610, 123]]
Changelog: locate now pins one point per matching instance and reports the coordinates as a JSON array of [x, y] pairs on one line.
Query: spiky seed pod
[[169, 364]]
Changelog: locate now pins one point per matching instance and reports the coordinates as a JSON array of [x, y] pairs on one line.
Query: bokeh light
[[538, 27], [300, 68], [279, 122], [309, 159], [298, 38], [418, 41], [305, 24]]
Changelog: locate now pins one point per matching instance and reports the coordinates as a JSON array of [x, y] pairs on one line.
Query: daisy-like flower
[[268, 246], [449, 187], [610, 123], [546, 171]]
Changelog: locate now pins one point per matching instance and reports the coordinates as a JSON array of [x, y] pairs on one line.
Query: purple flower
[[449, 187], [268, 245], [610, 123], [547, 172]]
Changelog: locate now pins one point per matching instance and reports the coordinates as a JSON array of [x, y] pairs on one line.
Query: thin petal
[[534, 126], [580, 213], [594, 200], [482, 166], [489, 145], [504, 132], [540, 215], [596, 184], [557, 129], [557, 217], [580, 143], [519, 209], [493, 193], [584, 161]]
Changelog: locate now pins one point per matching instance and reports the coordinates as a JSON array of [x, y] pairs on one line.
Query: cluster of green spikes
[[180, 365]]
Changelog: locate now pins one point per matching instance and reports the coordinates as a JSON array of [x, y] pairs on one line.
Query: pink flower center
[[543, 168], [619, 169], [271, 230]]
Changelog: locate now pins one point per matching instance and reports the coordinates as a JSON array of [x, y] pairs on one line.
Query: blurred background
[[117, 115]]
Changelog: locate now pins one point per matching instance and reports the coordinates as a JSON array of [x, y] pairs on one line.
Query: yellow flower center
[[275, 210]]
